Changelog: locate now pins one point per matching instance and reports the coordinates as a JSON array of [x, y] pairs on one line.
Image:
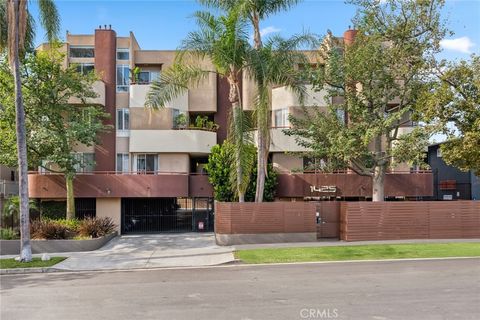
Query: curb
[[234, 263], [28, 270]]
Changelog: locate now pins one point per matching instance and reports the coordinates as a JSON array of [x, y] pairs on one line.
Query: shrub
[[50, 229], [70, 224], [96, 227], [9, 234]]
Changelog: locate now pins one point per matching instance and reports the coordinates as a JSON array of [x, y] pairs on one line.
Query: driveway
[[151, 251]]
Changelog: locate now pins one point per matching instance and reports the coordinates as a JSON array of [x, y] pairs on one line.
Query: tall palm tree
[[16, 34], [255, 11], [224, 42]]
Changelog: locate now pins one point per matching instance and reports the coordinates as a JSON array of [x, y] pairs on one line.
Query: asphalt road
[[438, 289]]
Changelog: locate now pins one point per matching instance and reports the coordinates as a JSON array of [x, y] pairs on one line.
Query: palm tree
[[16, 35], [224, 42], [255, 11]]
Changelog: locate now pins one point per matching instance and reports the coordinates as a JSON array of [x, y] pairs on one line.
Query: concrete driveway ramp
[[151, 251]]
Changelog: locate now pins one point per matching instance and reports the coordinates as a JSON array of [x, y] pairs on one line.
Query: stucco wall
[[173, 162], [284, 163], [110, 207]]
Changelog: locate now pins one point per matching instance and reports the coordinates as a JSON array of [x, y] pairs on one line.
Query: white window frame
[[123, 50], [122, 87], [125, 162], [123, 132], [285, 122], [136, 158], [82, 65], [81, 47]]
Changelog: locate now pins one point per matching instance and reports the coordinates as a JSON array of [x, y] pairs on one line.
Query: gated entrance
[[151, 215], [328, 219]]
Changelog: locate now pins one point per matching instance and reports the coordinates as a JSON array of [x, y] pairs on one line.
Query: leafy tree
[[17, 29], [54, 126], [372, 89], [452, 104], [223, 41], [219, 168], [273, 64]]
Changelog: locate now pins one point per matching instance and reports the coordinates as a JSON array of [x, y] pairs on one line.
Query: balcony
[[178, 141], [282, 98], [280, 142], [417, 184], [138, 94], [99, 88], [113, 185]]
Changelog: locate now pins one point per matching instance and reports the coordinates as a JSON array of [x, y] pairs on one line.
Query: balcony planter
[[55, 246]]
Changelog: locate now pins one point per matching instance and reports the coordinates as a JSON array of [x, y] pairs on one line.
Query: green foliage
[[96, 227], [270, 185], [9, 234], [180, 120], [71, 228], [220, 167], [54, 126], [452, 104], [373, 86], [53, 209], [49, 230], [134, 74]]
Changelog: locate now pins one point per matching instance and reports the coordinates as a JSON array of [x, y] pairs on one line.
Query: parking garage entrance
[[155, 215]]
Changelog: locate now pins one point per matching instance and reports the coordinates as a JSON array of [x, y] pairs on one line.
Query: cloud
[[462, 44], [268, 30]]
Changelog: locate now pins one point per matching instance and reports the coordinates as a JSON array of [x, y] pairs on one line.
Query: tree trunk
[[238, 127], [378, 179], [263, 148], [257, 37], [70, 197], [25, 248]]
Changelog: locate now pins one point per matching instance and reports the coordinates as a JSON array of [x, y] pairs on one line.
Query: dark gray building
[[450, 183]]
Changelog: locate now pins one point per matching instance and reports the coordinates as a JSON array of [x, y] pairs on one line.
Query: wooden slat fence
[[409, 220], [266, 217]]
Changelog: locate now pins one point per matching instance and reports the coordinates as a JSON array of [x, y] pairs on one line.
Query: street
[[435, 289]]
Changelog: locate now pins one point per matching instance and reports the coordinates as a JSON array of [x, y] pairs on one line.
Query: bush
[[50, 229], [70, 224], [9, 234], [53, 209], [96, 227]]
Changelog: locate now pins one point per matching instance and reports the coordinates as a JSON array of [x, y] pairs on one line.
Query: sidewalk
[[148, 251], [333, 243]]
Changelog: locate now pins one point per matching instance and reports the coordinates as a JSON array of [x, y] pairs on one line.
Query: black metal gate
[[150, 215]]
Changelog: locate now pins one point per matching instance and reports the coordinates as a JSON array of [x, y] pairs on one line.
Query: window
[[82, 52], [146, 163], [85, 162], [123, 79], [123, 122], [145, 77], [281, 118], [123, 54], [122, 162], [85, 68]]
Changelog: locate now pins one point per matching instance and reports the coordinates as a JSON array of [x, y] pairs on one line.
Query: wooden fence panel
[[409, 220]]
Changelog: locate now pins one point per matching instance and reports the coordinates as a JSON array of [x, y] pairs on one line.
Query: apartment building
[[148, 173]]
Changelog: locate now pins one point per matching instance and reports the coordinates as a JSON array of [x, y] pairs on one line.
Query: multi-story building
[[148, 173]]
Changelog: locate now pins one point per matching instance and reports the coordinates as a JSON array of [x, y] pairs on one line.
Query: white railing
[[8, 188]]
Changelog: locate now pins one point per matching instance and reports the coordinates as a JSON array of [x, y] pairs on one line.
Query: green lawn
[[35, 263], [362, 252]]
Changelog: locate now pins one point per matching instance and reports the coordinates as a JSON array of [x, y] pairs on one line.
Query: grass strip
[[35, 263], [360, 252]]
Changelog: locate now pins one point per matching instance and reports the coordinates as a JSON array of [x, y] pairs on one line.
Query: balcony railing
[[8, 188], [174, 141], [138, 94]]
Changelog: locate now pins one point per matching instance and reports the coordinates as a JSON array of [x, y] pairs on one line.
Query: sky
[[162, 24]]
